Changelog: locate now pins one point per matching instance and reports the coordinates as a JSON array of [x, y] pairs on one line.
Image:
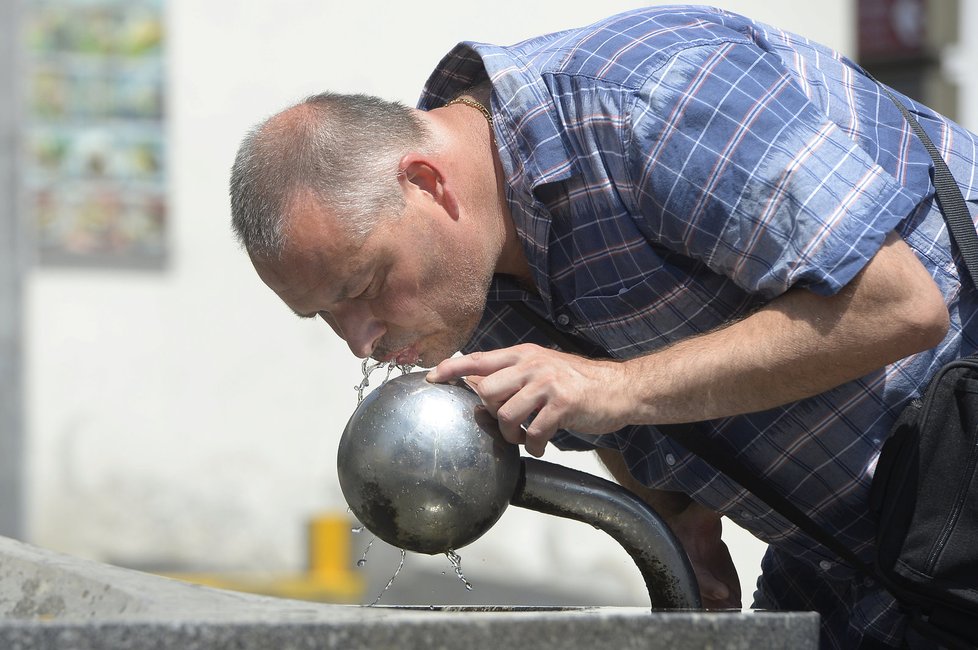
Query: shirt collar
[[527, 123]]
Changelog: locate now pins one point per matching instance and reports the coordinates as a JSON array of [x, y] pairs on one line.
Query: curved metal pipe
[[564, 492]]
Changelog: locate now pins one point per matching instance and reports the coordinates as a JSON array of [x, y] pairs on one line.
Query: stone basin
[[51, 601]]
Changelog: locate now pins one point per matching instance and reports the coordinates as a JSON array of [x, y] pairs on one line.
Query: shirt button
[[825, 564], [563, 319], [670, 459]]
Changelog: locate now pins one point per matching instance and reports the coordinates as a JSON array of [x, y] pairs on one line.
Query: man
[[735, 218]]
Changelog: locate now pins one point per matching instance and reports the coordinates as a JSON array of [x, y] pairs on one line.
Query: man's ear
[[419, 173]]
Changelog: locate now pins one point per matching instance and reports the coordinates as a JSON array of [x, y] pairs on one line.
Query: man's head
[[359, 211], [343, 150]]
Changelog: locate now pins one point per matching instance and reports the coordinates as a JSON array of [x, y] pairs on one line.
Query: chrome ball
[[424, 467]]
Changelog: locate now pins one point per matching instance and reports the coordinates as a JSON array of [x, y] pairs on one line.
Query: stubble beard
[[464, 305]]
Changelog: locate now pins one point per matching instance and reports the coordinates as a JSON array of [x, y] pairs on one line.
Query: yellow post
[[329, 546], [328, 577]]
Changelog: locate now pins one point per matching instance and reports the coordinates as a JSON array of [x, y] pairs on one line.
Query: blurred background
[[159, 408]]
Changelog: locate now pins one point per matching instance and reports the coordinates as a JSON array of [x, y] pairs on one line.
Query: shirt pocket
[[658, 309]]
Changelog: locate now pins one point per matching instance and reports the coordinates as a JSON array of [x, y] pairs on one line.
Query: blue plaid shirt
[[672, 169]]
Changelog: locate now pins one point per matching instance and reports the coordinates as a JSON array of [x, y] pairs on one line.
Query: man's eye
[[373, 289]]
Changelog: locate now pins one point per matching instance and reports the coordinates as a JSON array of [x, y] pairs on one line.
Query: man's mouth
[[408, 356]]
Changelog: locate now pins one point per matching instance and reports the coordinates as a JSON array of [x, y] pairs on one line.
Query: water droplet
[[357, 529], [363, 557]]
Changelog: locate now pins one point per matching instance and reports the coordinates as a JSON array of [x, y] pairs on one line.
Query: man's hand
[[699, 531], [544, 390]]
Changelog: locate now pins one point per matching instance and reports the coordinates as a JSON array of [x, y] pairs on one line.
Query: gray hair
[[344, 149]]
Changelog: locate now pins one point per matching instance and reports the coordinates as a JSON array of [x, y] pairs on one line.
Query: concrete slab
[[52, 601]]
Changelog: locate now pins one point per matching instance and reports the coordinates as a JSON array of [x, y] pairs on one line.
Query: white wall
[[186, 417], [959, 65]]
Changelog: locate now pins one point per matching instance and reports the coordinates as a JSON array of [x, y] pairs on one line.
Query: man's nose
[[359, 328]]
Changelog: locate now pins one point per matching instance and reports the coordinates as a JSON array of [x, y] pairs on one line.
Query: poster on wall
[[95, 145]]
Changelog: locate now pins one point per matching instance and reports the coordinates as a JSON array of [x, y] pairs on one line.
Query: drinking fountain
[[424, 467]]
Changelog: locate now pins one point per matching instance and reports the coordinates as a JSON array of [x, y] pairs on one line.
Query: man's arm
[[698, 530], [798, 345]]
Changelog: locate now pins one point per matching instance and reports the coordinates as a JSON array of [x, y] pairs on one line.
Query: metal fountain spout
[[424, 467]]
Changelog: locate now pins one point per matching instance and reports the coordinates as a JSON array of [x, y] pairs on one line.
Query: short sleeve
[[734, 166]]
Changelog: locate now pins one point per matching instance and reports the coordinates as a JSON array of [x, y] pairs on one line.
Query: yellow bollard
[[328, 546], [329, 575]]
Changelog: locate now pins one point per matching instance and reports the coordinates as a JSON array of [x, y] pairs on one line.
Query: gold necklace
[[474, 104]]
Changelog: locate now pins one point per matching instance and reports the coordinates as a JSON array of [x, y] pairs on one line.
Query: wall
[[186, 417], [959, 65]]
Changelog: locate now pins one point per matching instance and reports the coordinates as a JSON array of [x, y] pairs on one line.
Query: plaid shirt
[[672, 169]]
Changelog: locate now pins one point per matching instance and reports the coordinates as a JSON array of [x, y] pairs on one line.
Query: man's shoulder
[[625, 48]]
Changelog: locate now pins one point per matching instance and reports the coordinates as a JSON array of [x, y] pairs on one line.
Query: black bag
[[925, 489], [925, 496]]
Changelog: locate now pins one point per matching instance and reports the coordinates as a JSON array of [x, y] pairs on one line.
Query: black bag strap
[[949, 197], [721, 455]]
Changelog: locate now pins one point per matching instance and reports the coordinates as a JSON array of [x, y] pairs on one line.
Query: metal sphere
[[424, 467]]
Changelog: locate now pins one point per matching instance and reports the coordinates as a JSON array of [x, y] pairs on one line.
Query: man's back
[[671, 171]]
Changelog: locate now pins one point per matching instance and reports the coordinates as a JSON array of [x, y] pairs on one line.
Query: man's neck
[[512, 259], [471, 142]]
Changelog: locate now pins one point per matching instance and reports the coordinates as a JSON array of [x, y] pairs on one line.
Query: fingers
[[508, 397], [715, 592], [711, 588], [535, 447], [515, 405], [477, 363], [524, 387], [502, 386], [525, 409], [700, 529]]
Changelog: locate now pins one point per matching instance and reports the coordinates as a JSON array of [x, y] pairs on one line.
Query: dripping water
[[456, 561], [363, 558], [400, 566], [369, 365]]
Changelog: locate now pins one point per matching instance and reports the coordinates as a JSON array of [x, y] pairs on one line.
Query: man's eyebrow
[[344, 295]]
